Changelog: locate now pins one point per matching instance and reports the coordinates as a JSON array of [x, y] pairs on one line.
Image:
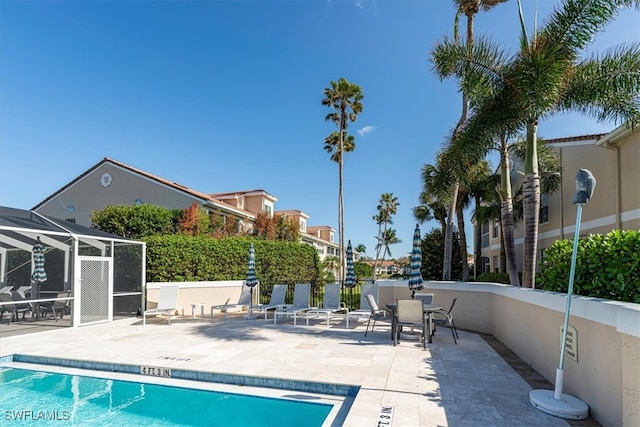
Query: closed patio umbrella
[[251, 281], [415, 277], [350, 278], [39, 274]]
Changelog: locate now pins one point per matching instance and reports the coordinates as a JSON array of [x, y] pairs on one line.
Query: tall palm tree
[[469, 8], [387, 207], [345, 99], [434, 197], [387, 239], [544, 77]]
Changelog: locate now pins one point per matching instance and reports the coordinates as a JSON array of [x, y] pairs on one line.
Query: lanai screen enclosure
[[104, 272]]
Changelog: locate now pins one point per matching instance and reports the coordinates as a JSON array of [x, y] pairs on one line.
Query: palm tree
[[469, 8], [345, 98], [387, 207], [360, 248], [544, 77], [433, 197], [387, 239]]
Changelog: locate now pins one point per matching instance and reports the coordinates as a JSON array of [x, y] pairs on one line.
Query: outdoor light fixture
[[555, 402]]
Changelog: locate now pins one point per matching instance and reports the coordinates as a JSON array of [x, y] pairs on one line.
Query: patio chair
[[243, 301], [23, 290], [6, 290], [277, 299], [301, 294], [330, 305], [409, 312], [58, 308], [447, 319], [167, 304], [425, 298], [375, 313]]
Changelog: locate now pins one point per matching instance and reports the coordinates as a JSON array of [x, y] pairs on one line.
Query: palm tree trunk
[[341, 215], [477, 244], [506, 213], [462, 241], [448, 235], [531, 200]]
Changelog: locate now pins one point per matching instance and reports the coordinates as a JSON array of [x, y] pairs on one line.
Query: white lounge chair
[[167, 304], [331, 304], [6, 290], [301, 294], [364, 312], [243, 301], [277, 299]]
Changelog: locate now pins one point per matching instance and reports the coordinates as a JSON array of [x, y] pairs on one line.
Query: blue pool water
[[41, 398]]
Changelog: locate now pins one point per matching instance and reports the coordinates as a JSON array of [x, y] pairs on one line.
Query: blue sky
[[226, 95]]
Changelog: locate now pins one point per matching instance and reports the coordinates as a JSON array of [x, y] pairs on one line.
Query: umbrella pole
[[557, 403]]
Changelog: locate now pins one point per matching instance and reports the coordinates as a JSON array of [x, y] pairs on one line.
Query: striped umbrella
[[39, 275], [415, 277], [350, 278], [251, 279]]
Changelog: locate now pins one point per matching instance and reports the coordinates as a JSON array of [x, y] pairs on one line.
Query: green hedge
[[494, 277], [607, 266], [181, 258]]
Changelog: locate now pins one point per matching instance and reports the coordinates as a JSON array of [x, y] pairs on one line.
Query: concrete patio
[[473, 383]]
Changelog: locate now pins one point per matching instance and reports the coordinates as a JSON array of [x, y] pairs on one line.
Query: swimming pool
[[32, 397]]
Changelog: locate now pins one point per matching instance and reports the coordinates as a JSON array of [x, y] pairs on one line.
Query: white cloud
[[365, 130]]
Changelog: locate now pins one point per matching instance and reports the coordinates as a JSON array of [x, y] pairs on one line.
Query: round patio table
[[427, 318]]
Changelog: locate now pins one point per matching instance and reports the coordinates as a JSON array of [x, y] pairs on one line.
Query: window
[[71, 220], [496, 265], [485, 234], [544, 208], [486, 264], [303, 225], [268, 208], [496, 229], [331, 237]]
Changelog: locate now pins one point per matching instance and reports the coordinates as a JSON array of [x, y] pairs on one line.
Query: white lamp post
[[555, 402]]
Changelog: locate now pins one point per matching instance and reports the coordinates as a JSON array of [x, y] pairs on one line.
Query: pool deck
[[468, 384]]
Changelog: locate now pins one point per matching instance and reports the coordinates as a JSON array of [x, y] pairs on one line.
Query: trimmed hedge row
[[607, 266], [181, 258]]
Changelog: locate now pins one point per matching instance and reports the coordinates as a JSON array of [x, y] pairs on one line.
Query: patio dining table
[[427, 318]]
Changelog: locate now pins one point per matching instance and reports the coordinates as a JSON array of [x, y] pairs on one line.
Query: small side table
[[193, 309]]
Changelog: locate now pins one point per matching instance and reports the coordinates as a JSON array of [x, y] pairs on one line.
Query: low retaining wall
[[207, 293], [606, 374]]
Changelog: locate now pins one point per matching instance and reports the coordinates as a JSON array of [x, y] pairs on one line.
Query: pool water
[[43, 398]]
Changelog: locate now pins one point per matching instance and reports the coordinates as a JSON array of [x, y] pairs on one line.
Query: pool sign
[[155, 371], [571, 349]]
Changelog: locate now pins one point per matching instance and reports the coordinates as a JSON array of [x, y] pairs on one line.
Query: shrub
[[607, 266]]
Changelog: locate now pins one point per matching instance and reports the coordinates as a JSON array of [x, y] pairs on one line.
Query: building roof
[[594, 137], [234, 194], [20, 221], [179, 187]]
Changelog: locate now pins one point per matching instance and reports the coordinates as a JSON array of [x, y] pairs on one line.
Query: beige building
[[614, 160], [110, 182]]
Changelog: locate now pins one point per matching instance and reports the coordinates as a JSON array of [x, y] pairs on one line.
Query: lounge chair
[[375, 313], [58, 308], [6, 290], [277, 299], [11, 303], [243, 301], [364, 312], [167, 304], [301, 294], [330, 305], [409, 312]]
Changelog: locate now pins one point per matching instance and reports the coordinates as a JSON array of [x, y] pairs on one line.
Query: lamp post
[[555, 402]]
